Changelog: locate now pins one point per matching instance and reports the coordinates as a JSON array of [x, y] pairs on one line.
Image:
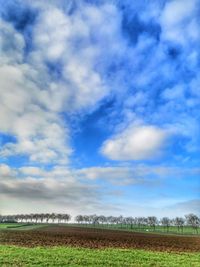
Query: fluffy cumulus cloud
[[78, 54], [38, 130], [178, 21], [70, 41], [118, 78], [135, 143], [62, 72]]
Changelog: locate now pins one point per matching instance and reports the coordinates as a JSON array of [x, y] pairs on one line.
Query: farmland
[[57, 245], [187, 230], [98, 238], [173, 230]]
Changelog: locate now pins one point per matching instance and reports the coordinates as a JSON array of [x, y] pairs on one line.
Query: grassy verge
[[66, 256]]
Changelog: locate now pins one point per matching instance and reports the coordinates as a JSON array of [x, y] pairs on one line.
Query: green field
[[70, 256], [146, 229], [65, 256], [187, 230]]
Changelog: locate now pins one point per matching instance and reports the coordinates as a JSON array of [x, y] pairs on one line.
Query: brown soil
[[99, 238]]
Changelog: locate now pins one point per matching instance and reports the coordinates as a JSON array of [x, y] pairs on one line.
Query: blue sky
[[99, 107]]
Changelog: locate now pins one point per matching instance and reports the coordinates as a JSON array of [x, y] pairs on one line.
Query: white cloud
[[38, 131], [6, 171], [174, 92], [11, 48], [75, 43], [32, 98], [31, 171], [176, 11], [177, 21], [84, 48], [114, 175], [135, 143]]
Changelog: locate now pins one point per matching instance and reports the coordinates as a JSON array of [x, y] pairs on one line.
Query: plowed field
[[99, 238]]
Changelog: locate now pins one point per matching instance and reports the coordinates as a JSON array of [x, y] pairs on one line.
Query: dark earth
[[99, 238]]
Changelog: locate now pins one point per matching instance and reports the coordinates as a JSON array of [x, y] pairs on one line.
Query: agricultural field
[[186, 230], [57, 245]]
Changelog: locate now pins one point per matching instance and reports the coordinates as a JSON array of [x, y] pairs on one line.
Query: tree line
[[37, 218], [190, 220]]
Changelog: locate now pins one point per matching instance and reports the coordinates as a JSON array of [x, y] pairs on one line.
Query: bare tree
[[193, 221], [120, 220], [130, 221], [166, 222], [141, 221], [79, 219], [179, 222], [102, 219], [152, 221]]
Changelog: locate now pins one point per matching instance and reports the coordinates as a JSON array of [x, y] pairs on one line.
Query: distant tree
[[42, 217], [102, 219], [166, 222], [179, 222], [47, 217], [28, 218], [93, 219], [79, 219], [59, 217], [66, 218], [31, 216], [139, 221], [21, 217], [120, 220], [130, 221], [111, 220], [86, 219], [152, 221], [193, 221], [53, 217], [36, 217]]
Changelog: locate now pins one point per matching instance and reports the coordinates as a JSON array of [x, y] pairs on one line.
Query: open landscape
[[100, 133], [74, 245]]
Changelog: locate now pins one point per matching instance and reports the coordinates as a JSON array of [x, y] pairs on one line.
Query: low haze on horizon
[[100, 107]]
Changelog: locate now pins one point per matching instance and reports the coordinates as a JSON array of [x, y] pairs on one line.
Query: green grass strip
[[67, 256]]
